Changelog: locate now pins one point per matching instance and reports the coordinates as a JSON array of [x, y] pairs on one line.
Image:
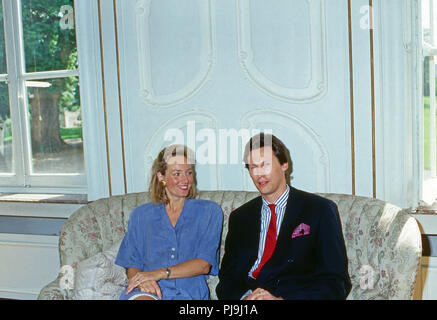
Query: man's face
[[267, 173]]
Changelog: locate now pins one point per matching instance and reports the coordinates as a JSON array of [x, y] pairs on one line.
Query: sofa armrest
[[53, 291]]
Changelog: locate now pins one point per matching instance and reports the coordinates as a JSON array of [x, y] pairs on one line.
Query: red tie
[[270, 244]]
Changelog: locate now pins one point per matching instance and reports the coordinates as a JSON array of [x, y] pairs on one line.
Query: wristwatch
[[168, 271]]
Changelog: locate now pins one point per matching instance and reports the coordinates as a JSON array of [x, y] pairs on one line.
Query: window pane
[[429, 131], [55, 126], [6, 165], [49, 35], [2, 42], [6, 158]]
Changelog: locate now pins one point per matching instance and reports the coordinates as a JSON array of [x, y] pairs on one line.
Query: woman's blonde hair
[[156, 189]]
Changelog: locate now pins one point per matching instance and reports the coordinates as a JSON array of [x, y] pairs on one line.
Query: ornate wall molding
[[207, 56], [307, 92], [184, 123], [296, 127]]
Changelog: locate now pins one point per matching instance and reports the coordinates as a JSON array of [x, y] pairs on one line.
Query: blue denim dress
[[151, 242]]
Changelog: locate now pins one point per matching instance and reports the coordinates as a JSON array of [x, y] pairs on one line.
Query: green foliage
[[426, 78], [71, 133], [426, 140], [4, 97], [47, 47], [70, 95]]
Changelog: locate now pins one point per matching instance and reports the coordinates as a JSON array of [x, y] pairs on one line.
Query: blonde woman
[[172, 243]]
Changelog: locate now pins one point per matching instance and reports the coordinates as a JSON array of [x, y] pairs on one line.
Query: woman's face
[[178, 177]]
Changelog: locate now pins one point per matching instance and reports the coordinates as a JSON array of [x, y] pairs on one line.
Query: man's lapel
[[254, 227], [292, 213]]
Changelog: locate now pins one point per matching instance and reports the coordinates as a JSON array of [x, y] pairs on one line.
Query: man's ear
[[284, 166]]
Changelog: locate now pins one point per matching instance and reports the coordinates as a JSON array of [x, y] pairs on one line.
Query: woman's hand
[[150, 286], [143, 276]]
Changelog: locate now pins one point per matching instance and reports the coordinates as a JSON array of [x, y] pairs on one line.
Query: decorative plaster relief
[[308, 90], [257, 120], [206, 57], [183, 129]]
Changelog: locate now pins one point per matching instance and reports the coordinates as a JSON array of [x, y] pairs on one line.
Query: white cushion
[[98, 278]]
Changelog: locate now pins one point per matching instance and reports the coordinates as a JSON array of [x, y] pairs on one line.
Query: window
[[41, 142], [429, 49]]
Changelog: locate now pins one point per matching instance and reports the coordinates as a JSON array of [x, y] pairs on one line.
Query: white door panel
[[208, 69]]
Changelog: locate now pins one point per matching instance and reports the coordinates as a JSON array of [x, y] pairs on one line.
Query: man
[[285, 244]]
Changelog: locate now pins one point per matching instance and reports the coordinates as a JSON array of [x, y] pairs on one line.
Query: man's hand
[[261, 294]]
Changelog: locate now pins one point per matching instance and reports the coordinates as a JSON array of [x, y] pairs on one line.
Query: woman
[[172, 243]]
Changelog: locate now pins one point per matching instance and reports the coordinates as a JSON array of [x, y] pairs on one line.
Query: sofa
[[383, 244]]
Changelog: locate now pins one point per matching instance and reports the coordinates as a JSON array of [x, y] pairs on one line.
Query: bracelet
[[168, 271]]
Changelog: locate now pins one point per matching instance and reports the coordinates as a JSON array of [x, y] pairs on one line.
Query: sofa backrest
[[383, 242]]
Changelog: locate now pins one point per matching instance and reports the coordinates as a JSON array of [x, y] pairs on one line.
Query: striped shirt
[[280, 204]]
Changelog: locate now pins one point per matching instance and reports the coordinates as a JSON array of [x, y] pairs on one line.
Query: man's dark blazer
[[312, 266]]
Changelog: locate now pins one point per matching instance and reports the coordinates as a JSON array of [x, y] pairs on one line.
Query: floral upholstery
[[383, 242]]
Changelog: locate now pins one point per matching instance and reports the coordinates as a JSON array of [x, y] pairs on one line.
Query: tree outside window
[[41, 139]]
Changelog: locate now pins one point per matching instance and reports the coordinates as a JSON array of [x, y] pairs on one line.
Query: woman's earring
[[163, 183]]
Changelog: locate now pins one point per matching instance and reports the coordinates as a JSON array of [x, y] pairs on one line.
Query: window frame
[[428, 192], [21, 180]]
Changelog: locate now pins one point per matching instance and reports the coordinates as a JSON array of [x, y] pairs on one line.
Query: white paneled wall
[[234, 65], [29, 262], [205, 71]]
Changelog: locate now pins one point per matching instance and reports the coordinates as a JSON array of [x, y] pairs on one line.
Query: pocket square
[[301, 230]]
